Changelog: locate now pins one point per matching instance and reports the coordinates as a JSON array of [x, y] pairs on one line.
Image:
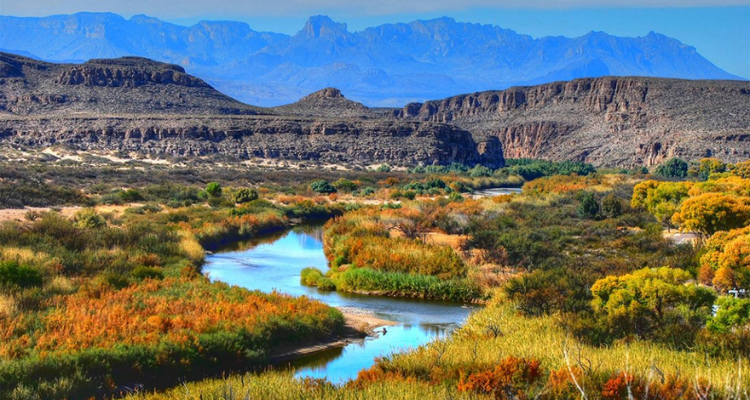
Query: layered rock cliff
[[611, 121], [137, 105], [245, 137]]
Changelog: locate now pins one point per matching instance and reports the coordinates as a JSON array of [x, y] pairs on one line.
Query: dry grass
[[542, 339], [192, 249], [23, 255], [283, 386], [7, 305]]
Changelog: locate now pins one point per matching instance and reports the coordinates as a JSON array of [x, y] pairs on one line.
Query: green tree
[[673, 168], [589, 207], [708, 166], [732, 313], [611, 206], [213, 189], [322, 186], [245, 195]]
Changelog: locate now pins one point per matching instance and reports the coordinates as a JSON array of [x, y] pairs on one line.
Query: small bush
[[322, 186], [130, 195], [13, 276], [310, 276], [89, 219], [143, 272], [324, 283], [245, 195]]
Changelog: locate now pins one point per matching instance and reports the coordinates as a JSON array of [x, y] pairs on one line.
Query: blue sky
[[719, 29]]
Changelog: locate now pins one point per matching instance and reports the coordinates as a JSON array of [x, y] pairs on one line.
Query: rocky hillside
[[137, 105], [610, 121], [126, 85], [131, 105]]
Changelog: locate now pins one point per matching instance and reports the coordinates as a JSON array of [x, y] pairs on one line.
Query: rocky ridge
[[127, 85], [609, 121]]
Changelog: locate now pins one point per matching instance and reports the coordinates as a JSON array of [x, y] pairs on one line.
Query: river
[[276, 262]]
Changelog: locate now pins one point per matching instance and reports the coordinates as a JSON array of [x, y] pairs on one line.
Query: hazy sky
[[719, 29]]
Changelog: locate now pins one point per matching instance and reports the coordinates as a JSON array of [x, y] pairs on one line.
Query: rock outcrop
[[610, 121], [328, 102]]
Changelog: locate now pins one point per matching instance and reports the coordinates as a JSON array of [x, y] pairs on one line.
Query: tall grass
[[399, 284], [283, 386], [498, 331]]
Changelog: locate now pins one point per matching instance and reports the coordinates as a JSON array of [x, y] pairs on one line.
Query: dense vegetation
[[96, 302], [586, 293]]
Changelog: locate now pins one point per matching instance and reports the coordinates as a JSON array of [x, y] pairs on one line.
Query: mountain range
[[387, 65]]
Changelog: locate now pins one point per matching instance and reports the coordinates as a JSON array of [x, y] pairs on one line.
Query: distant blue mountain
[[387, 65]]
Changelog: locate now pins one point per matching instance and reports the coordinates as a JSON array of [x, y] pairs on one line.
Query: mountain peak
[[322, 25]]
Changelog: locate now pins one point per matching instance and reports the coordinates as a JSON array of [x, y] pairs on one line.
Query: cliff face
[[606, 121], [245, 137]]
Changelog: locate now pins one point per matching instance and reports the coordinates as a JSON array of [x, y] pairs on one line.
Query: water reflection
[[275, 262]]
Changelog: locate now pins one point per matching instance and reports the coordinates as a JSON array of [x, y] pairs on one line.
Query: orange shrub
[[153, 312], [559, 184], [507, 379]]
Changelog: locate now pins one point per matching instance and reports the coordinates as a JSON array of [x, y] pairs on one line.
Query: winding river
[[276, 262]]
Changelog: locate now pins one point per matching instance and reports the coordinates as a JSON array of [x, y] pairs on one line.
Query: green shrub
[[589, 207], [338, 261], [142, 272], [322, 186], [345, 185], [130, 195], [384, 168], [213, 189], [14, 275], [324, 283], [245, 195], [116, 280], [611, 206], [309, 276], [89, 219]]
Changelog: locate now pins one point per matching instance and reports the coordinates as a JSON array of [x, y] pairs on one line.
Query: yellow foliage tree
[[729, 185], [724, 279], [662, 199], [742, 169], [712, 212]]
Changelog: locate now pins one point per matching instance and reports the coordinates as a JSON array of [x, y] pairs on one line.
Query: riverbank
[[358, 325]]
